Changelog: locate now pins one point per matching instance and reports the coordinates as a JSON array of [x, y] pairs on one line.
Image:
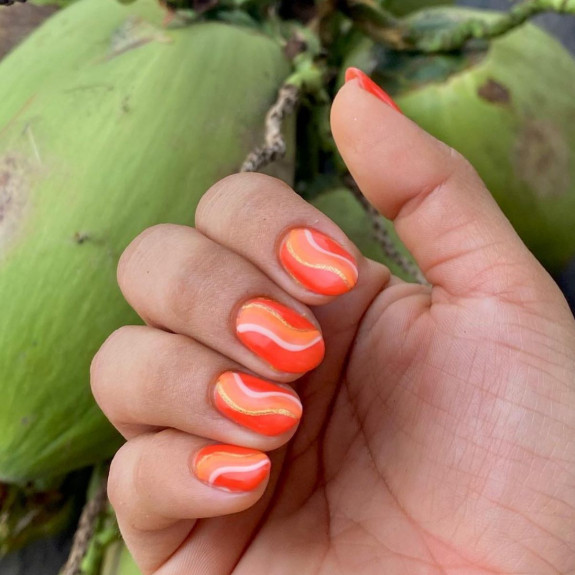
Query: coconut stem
[[93, 509], [374, 21], [456, 37], [400, 34], [275, 145], [382, 236]]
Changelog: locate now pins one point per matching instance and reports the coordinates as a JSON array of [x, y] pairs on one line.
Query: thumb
[[441, 209]]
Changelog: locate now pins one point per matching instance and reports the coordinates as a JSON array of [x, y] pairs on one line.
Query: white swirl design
[[252, 327], [261, 394], [314, 244], [214, 475]]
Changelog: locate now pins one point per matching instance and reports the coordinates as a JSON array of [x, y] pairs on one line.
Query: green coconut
[[119, 561], [508, 106], [137, 123], [70, 41]]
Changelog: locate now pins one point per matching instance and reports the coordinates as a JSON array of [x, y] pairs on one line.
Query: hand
[[437, 434]]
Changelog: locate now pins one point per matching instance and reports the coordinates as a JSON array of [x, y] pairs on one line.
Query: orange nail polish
[[317, 262], [256, 404], [285, 339], [370, 86], [230, 467]]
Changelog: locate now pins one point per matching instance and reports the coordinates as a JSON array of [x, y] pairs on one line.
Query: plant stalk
[[275, 146], [93, 509], [456, 37], [402, 35]]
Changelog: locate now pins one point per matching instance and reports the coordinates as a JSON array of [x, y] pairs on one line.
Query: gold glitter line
[[323, 267], [231, 403], [275, 314], [209, 456]]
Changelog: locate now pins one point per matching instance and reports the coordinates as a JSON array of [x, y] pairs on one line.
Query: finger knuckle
[[135, 253], [119, 477], [104, 359], [234, 196], [460, 163], [218, 192], [160, 376], [193, 281]]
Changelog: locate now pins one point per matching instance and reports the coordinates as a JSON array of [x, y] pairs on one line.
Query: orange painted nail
[[370, 86], [317, 262], [231, 468], [286, 340], [256, 404]]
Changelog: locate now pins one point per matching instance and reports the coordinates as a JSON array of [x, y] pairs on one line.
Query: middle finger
[[179, 280]]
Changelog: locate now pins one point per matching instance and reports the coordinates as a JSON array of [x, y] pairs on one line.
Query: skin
[[437, 435]]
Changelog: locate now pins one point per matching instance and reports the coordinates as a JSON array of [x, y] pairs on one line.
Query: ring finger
[[144, 379]]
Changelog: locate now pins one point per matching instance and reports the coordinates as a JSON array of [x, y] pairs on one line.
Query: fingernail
[[231, 468], [285, 339], [256, 404], [317, 262], [370, 86]]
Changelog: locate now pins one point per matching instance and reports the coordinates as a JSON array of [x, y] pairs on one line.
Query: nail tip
[[318, 263], [368, 85], [351, 73], [283, 338], [231, 468], [257, 404]]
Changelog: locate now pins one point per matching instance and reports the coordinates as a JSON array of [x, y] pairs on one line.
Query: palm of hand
[[435, 430]]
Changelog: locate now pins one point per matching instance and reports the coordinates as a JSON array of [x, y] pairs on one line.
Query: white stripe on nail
[[236, 469], [261, 394], [252, 327], [315, 245]]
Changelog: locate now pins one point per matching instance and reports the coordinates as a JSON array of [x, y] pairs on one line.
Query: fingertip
[[360, 97], [157, 480], [390, 157], [158, 492], [231, 468], [369, 86]]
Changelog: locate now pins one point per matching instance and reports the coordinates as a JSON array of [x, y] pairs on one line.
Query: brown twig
[[275, 146], [92, 510]]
